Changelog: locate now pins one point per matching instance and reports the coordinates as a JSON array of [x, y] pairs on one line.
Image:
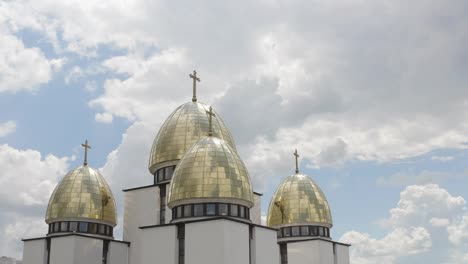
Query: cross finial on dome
[[86, 147], [210, 114], [195, 80], [297, 161]]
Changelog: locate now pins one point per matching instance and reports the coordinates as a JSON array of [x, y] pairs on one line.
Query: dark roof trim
[[210, 219], [257, 193], [317, 238], [75, 234], [141, 187]]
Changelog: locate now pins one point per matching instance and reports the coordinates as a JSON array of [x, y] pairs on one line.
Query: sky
[[373, 94]]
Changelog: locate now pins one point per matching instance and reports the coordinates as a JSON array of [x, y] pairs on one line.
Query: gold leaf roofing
[[181, 130], [299, 200], [84, 194], [211, 171]]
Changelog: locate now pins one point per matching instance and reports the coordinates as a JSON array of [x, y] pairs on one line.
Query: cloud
[[7, 128], [22, 68], [398, 243], [442, 158], [104, 118], [30, 178], [427, 223]]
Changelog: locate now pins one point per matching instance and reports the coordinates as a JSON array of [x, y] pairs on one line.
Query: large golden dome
[[181, 130], [211, 171], [82, 194], [299, 200]]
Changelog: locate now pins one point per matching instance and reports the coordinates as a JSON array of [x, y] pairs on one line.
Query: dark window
[[287, 231], [181, 237], [102, 229], [242, 211], [56, 227], [198, 210], [223, 209], [304, 230], [314, 230], [93, 228], [168, 172], [234, 210], [210, 209], [280, 233], [295, 231], [187, 210], [179, 211], [83, 227], [284, 253], [63, 226], [105, 250], [73, 226], [162, 204]]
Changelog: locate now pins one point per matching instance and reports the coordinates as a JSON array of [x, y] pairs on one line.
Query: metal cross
[[297, 161], [86, 147], [211, 114], [195, 80]]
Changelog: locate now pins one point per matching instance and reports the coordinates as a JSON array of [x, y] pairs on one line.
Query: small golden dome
[[82, 194], [211, 171], [299, 200], [181, 130]]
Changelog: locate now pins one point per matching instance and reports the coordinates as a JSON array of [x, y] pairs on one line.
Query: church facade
[[200, 208]]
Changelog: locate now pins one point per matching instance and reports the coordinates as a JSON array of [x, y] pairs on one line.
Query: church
[[199, 208]]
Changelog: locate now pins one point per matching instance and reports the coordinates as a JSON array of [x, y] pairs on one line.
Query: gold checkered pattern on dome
[[82, 193], [298, 199], [210, 169], [183, 128]]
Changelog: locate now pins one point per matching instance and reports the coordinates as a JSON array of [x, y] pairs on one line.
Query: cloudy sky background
[[374, 94]]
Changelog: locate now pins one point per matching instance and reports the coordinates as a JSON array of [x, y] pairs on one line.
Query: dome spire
[[297, 161], [210, 121], [86, 147], [195, 80]]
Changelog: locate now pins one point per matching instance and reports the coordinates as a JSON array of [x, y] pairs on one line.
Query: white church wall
[[62, 250], [159, 245], [34, 251], [312, 251], [118, 253], [256, 210], [87, 250], [266, 249], [341, 254], [141, 209], [214, 242]]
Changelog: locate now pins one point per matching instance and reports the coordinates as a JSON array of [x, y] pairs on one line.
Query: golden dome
[[211, 171], [84, 194], [181, 130], [299, 200]]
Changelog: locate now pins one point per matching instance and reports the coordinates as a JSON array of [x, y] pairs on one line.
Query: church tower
[[81, 216], [300, 212]]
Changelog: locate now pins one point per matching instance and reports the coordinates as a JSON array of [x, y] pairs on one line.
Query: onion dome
[[181, 130], [299, 201], [82, 202], [211, 172]]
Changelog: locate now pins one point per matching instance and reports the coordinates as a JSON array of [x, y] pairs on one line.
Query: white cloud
[[22, 68], [428, 223], [104, 118], [30, 178], [398, 243], [7, 128], [442, 158]]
